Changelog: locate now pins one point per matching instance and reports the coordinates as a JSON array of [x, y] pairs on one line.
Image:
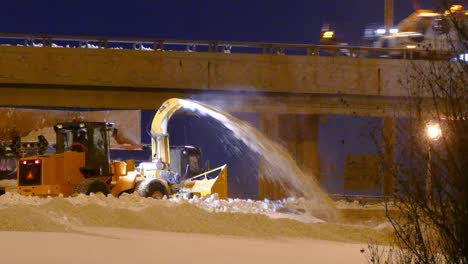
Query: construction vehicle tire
[[89, 186], [154, 189], [136, 189]]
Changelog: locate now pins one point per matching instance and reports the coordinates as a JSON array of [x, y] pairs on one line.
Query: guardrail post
[[29, 42], [273, 50], [281, 51], [227, 49], [102, 43]]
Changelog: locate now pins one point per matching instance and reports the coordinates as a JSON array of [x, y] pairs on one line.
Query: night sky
[[292, 21]]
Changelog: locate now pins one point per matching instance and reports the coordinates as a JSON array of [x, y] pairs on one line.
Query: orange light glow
[[328, 34], [30, 176], [428, 14], [37, 161], [455, 8], [433, 130]]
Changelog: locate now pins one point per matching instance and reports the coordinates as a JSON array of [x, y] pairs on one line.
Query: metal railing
[[154, 44], [361, 199]]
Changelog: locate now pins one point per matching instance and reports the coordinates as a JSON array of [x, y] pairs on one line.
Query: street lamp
[[433, 133]]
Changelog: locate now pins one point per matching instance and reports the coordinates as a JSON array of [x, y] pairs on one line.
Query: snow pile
[[49, 134], [291, 208], [206, 216], [142, 47], [90, 46]]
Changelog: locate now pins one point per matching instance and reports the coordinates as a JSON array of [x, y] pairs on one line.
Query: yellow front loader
[[81, 164]]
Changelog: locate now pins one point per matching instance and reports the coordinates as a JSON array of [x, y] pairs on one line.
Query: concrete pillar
[[308, 146], [269, 126], [298, 135], [389, 139]]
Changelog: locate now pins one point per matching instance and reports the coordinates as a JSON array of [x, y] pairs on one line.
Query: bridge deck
[[123, 78]]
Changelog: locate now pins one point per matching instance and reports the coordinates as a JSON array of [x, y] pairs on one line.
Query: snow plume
[[280, 166], [205, 216]]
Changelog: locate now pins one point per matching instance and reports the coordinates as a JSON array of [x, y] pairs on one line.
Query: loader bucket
[[207, 183]]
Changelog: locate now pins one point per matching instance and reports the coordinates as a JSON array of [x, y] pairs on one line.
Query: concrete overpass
[[126, 79], [278, 86]]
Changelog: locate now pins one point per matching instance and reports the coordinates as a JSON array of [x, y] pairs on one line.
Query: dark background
[[292, 21]]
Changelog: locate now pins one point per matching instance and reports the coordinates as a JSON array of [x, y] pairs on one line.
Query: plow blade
[[210, 182]]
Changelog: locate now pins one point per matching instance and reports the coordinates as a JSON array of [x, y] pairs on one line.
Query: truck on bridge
[[425, 31]]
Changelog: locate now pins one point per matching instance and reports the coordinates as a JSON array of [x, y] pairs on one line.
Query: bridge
[[288, 85], [259, 77]]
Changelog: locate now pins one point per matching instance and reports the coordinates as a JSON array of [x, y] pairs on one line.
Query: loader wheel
[[92, 186], [154, 189]]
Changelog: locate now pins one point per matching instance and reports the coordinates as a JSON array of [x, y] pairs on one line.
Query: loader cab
[[186, 160], [92, 138]]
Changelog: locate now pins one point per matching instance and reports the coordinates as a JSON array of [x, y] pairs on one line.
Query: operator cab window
[[194, 164], [71, 137], [67, 139], [99, 140]]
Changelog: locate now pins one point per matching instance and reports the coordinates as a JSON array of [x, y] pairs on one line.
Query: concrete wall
[[131, 79], [204, 71]]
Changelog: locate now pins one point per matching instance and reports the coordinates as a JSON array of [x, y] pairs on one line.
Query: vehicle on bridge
[[81, 164], [328, 38], [424, 32]]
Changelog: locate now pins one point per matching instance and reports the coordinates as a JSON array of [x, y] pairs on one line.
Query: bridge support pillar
[[389, 138], [298, 135]]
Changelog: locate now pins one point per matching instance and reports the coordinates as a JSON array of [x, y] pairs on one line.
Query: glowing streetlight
[[433, 131]]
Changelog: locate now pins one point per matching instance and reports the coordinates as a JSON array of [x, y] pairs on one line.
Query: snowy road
[[116, 245]]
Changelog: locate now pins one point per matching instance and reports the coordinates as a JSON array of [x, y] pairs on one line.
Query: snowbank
[[208, 216], [132, 229]]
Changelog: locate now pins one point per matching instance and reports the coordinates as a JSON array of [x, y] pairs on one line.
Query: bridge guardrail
[[155, 44]]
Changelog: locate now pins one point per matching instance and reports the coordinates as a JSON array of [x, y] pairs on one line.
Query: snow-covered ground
[[132, 229], [113, 245]]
